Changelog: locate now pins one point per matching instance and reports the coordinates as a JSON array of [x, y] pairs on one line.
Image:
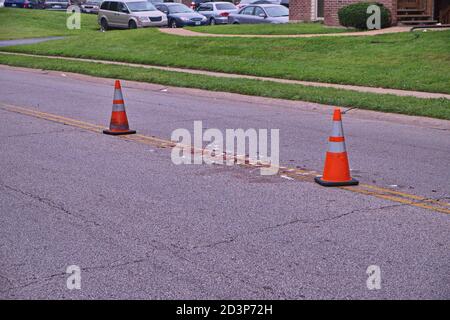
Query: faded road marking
[[294, 173]]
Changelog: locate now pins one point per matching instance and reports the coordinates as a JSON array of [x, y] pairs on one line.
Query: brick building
[[411, 12]]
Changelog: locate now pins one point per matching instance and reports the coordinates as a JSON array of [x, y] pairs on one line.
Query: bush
[[355, 15]]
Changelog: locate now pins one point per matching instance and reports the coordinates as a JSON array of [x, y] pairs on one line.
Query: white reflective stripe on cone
[[337, 131], [118, 94], [118, 107], [336, 147]]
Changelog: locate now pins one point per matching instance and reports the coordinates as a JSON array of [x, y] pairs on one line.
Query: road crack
[[50, 203]]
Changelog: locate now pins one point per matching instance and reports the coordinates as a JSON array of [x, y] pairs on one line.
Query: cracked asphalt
[[140, 227]]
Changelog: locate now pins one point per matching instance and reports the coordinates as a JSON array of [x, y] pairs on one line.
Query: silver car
[[217, 12], [91, 6], [129, 14], [263, 13], [56, 4], [244, 3]]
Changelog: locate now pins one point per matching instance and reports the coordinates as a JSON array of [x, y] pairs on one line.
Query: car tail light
[[224, 14]]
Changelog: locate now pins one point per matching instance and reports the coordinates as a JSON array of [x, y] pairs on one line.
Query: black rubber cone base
[[352, 182], [118, 133]]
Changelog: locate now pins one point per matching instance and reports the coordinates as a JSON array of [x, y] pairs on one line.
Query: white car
[[130, 14], [91, 6]]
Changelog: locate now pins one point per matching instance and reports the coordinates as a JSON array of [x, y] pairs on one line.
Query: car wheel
[[132, 24], [235, 22], [173, 24], [212, 22], [104, 24]]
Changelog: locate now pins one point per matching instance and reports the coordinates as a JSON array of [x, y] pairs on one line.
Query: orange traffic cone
[[336, 171], [119, 120]]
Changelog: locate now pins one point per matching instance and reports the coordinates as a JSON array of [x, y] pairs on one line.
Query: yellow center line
[[445, 204], [403, 200], [297, 174]]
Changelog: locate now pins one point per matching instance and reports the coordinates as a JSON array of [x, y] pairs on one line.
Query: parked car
[[280, 2], [262, 13], [179, 15], [56, 4], [130, 14], [217, 12], [91, 6], [2, 3], [243, 3], [196, 3], [38, 4], [28, 4]]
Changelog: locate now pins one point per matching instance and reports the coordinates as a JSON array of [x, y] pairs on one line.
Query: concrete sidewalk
[[16, 42], [189, 33]]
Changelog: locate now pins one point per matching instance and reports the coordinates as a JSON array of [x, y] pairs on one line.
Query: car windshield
[[225, 6], [179, 8], [278, 11], [140, 6]]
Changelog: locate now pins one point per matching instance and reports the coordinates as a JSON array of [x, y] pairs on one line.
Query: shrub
[[355, 15]]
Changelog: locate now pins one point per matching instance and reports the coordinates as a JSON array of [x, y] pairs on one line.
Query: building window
[[319, 10]]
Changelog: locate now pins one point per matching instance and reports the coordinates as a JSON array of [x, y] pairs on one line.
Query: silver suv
[[130, 14]]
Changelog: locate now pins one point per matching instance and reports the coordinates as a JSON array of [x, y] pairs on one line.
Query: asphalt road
[[141, 227]]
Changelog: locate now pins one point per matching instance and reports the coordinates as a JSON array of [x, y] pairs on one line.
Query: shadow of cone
[[336, 171], [119, 121]]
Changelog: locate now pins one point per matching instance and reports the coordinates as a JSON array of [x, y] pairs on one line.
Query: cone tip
[[117, 84], [337, 114]]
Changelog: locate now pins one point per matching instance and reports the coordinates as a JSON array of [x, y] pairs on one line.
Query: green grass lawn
[[24, 23], [435, 108], [393, 61], [270, 29]]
